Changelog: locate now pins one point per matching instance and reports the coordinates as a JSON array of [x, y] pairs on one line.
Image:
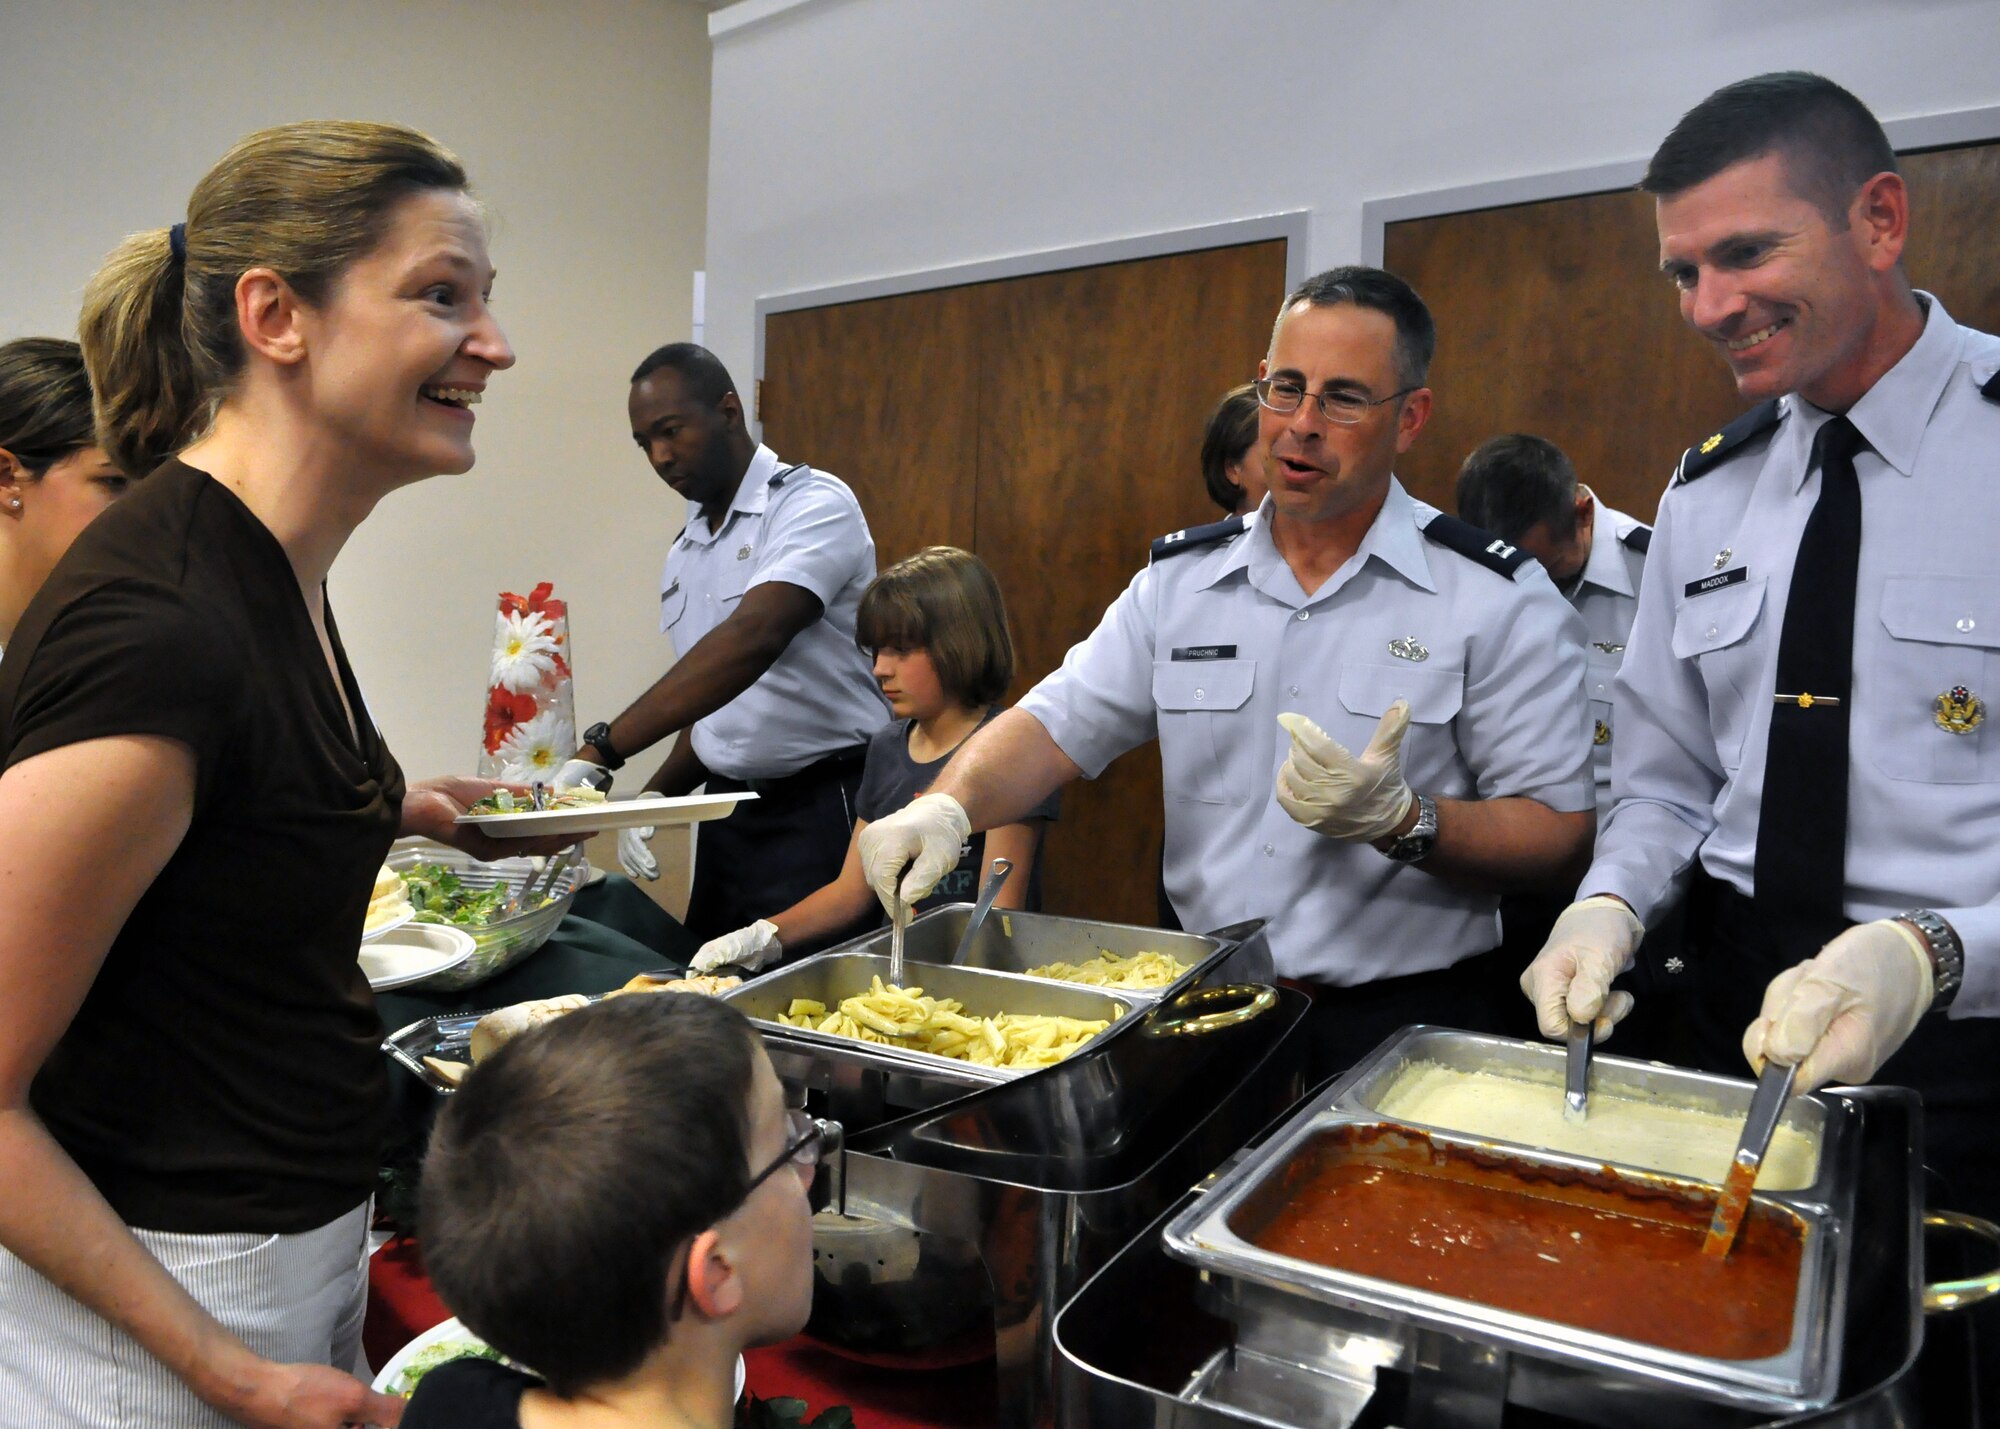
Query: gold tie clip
[[1806, 702]]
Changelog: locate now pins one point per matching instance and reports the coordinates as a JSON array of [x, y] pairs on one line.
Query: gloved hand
[[1570, 979], [1839, 1015], [749, 948], [1333, 793], [581, 773], [924, 837], [634, 857]]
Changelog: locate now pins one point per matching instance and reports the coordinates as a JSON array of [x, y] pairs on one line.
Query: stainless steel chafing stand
[[965, 1225], [1530, 1359], [1139, 1348]]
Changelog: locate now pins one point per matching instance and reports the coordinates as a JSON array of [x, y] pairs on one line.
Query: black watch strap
[[598, 737]]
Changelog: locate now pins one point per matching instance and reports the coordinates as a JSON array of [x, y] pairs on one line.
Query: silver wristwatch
[[1947, 955], [1421, 838]]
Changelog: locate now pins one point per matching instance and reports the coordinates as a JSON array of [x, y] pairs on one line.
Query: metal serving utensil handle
[[1001, 868], [899, 918], [1576, 1087], [1774, 1089]]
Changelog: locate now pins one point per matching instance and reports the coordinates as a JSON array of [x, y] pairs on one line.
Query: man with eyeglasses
[[1364, 621]]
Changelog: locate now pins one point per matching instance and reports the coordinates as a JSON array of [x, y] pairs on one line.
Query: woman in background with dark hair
[[53, 476], [1232, 466]]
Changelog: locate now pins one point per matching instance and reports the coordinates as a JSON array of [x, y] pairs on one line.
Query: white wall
[[860, 139], [585, 126]]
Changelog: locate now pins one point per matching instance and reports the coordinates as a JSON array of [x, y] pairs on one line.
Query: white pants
[[290, 1298]]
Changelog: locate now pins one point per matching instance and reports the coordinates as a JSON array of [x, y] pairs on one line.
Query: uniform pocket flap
[[1718, 619], [1434, 695], [1203, 684], [1944, 610]]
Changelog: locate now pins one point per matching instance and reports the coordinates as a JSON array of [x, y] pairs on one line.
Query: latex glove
[[634, 857], [1839, 1016], [904, 854], [749, 948], [1332, 792], [1570, 979], [581, 773]]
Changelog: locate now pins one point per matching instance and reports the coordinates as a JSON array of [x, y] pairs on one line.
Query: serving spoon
[[1774, 1089]]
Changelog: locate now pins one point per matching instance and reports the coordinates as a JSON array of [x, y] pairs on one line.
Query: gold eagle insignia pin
[[1602, 734], [1958, 710]]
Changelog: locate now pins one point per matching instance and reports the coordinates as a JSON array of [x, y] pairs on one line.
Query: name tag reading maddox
[[1709, 583], [1205, 652]]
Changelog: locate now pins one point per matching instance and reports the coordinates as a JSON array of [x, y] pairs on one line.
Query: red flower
[[504, 710]]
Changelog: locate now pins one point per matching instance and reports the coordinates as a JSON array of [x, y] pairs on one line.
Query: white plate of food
[[585, 818], [414, 952], [450, 1341]]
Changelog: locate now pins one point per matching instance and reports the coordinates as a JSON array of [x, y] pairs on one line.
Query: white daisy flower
[[537, 748], [524, 650]]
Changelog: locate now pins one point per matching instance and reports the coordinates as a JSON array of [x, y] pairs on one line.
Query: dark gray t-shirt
[[891, 778]]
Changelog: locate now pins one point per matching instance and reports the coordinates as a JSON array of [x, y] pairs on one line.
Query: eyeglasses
[[1341, 408], [808, 1139], [801, 1153]]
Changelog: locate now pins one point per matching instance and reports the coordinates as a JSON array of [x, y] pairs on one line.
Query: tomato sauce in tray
[[1590, 1249]]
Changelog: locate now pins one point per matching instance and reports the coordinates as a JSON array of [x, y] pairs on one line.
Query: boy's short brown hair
[[568, 1172]]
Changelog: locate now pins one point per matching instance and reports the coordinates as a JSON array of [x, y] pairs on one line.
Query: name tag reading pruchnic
[[1717, 582], [1205, 652]]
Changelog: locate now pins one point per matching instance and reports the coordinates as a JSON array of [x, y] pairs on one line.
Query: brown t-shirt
[[224, 1072]]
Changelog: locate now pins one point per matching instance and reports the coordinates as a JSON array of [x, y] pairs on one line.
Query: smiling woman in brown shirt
[[196, 800]]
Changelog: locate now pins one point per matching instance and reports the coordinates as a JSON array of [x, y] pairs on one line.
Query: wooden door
[[1553, 318], [1050, 423]]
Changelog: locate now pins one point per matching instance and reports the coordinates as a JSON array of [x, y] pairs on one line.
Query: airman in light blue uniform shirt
[[1694, 694], [803, 527], [1606, 598], [1210, 643]]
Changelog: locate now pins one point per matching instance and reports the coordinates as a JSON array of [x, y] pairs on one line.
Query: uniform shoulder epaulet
[[1477, 543], [1990, 388], [1706, 457], [778, 479], [1639, 538], [1175, 542]]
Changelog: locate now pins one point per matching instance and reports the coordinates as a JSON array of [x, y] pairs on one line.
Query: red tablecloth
[[402, 1305]]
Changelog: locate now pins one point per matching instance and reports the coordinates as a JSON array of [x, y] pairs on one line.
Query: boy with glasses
[[620, 1200]]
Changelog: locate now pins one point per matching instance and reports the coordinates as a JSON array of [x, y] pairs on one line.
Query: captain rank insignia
[[1958, 710]]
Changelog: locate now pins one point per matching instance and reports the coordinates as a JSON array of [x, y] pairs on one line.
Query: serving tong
[[998, 875]]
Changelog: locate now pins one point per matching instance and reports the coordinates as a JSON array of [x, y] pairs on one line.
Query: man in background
[[1524, 490], [759, 594]]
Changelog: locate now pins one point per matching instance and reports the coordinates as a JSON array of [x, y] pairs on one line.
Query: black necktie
[[1802, 829]]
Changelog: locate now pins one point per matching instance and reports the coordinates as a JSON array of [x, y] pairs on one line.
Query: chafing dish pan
[[1277, 1300], [1013, 942], [837, 974]]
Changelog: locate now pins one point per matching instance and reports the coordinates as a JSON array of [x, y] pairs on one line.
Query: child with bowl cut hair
[[937, 628]]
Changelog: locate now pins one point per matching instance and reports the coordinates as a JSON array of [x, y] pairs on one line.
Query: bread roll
[[503, 1025]]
